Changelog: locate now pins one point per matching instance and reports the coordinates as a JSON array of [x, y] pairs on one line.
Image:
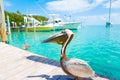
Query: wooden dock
[[18, 64]]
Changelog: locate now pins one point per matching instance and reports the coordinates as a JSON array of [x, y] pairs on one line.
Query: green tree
[[14, 17], [19, 18], [40, 18]]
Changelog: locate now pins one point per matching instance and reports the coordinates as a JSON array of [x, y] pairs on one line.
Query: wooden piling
[[2, 23]]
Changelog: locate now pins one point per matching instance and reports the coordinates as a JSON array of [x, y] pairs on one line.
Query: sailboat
[[108, 24]]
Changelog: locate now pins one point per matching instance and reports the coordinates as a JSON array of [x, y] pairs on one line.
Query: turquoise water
[[98, 45]]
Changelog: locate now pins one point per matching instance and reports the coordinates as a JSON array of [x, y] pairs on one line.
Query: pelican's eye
[[63, 31]]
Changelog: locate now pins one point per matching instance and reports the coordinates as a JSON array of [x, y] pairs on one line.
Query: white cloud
[[7, 3], [115, 4], [115, 18], [73, 5], [100, 19], [93, 20]]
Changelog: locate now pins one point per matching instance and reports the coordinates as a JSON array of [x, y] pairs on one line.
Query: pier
[[18, 64]]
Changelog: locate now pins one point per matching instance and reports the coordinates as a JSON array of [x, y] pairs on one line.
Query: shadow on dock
[[55, 77], [44, 60], [62, 77]]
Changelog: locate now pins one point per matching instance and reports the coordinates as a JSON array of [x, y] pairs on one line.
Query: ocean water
[[98, 45]]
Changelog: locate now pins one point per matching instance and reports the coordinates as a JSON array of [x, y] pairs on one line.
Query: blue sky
[[86, 11]]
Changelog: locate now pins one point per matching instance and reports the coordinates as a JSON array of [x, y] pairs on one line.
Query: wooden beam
[[2, 23]]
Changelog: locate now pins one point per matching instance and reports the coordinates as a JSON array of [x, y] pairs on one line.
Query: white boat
[[53, 23], [59, 24], [71, 25]]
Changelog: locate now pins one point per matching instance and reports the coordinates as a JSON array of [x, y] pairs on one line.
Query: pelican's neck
[[63, 52], [64, 46]]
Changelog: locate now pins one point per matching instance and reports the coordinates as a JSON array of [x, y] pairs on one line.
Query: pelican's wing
[[79, 68]]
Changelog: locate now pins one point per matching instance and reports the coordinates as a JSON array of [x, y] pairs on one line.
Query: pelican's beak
[[58, 38]]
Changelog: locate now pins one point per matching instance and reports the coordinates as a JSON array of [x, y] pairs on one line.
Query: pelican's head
[[61, 37]]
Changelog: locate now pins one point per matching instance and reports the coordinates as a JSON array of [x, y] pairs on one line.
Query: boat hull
[[32, 29], [108, 24], [71, 26]]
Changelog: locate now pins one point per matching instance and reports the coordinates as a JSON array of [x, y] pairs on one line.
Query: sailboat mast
[[110, 12]]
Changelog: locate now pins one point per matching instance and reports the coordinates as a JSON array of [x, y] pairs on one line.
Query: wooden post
[[2, 21], [8, 23]]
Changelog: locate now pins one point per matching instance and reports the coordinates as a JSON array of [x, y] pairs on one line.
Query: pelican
[[74, 67]]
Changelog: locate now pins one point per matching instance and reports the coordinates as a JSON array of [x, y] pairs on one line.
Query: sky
[[85, 11]]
